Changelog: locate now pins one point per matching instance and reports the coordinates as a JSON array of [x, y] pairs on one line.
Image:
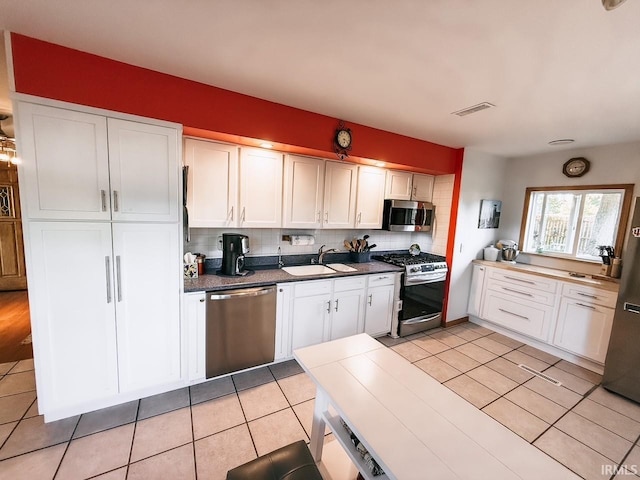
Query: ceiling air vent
[[473, 109]]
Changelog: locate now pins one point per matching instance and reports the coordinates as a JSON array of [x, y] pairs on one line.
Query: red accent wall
[[52, 71]]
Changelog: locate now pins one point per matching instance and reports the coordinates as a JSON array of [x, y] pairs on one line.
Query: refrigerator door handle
[[630, 307]]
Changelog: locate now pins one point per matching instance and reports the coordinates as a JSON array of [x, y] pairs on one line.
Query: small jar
[[200, 261]]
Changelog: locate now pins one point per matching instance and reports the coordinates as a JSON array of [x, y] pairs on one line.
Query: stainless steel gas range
[[422, 291]]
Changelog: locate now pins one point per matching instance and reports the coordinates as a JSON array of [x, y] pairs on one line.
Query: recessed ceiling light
[[473, 109], [379, 164], [561, 141], [266, 145]]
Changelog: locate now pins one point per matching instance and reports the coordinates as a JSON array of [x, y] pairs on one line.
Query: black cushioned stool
[[293, 462]]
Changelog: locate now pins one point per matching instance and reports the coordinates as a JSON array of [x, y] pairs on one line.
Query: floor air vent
[[541, 375]]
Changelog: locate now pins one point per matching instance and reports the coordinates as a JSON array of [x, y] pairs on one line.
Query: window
[[574, 222]]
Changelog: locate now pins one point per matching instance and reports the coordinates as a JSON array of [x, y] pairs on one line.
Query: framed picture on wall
[[489, 214]]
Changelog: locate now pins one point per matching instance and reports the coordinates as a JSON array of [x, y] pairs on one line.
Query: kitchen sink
[[341, 267], [302, 270]]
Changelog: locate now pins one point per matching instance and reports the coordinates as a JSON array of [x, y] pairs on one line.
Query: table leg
[[317, 428]]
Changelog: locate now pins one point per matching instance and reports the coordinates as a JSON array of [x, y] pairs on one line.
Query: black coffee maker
[[234, 246]]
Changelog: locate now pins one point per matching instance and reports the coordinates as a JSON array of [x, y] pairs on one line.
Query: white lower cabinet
[[572, 317], [584, 323], [105, 311], [379, 304], [194, 314], [323, 310]]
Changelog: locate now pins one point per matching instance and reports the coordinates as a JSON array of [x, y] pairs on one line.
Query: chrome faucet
[[280, 262], [322, 253]]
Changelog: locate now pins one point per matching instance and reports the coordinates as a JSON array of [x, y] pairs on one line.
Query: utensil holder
[[360, 257]]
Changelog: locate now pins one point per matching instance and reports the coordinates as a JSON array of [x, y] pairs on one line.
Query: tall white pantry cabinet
[[101, 204]]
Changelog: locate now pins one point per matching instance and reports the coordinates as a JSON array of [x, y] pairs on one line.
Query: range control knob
[[415, 269]]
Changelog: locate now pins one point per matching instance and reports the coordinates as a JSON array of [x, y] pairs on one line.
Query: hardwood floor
[[15, 326]]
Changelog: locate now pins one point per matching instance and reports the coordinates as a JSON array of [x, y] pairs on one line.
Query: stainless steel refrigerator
[[622, 365]]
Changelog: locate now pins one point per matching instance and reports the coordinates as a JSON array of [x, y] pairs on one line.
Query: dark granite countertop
[[270, 276]]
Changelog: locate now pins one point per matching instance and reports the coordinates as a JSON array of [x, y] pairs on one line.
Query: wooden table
[[412, 425]]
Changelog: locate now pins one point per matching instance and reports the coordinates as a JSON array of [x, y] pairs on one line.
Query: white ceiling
[[554, 69]]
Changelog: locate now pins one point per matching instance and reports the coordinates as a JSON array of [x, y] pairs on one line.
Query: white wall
[[610, 164], [483, 177]]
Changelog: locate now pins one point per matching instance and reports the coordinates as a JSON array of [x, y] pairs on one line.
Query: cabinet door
[[370, 198], [379, 310], [260, 188], [303, 192], [422, 190], [347, 314], [398, 185], [308, 320], [72, 313], [474, 307], [340, 195], [148, 276], [144, 169], [64, 172], [195, 317], [212, 190], [584, 328]]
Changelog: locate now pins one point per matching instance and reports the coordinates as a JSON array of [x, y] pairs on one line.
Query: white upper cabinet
[[303, 192], [260, 188], [212, 190], [81, 166], [340, 186], [398, 185], [408, 186], [422, 190], [370, 197], [144, 171], [65, 168]]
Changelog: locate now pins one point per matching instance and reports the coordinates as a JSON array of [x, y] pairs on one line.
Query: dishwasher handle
[[246, 292]]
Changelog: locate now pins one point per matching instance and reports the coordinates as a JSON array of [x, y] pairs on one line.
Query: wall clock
[[342, 141], [576, 167]]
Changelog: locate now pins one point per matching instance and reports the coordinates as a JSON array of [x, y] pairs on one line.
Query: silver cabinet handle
[[514, 314], [383, 278], [586, 295], [359, 218], [107, 267], [326, 217], [329, 306], [520, 280], [103, 200], [202, 300], [115, 201], [586, 306], [516, 291], [118, 278], [370, 299], [242, 216], [230, 216], [336, 305]]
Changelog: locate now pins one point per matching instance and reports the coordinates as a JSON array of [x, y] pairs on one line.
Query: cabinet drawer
[[522, 316], [523, 279], [349, 283], [520, 292], [382, 279], [590, 294], [306, 288]]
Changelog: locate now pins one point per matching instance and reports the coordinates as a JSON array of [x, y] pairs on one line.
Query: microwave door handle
[[424, 214]]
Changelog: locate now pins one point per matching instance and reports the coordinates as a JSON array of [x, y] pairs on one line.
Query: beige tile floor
[[202, 431]]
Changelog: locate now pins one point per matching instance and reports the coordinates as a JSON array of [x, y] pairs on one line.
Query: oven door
[[421, 307]]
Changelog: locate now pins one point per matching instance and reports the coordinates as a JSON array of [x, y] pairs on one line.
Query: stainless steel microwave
[[408, 216]]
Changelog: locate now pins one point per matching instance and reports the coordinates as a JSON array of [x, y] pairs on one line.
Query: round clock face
[[343, 138], [576, 167]]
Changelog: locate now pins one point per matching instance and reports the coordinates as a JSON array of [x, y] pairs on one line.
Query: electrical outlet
[[220, 242]]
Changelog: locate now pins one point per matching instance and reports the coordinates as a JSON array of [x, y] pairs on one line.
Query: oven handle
[[421, 319], [421, 279]]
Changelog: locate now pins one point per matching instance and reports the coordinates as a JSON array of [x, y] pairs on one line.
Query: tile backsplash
[[265, 241]]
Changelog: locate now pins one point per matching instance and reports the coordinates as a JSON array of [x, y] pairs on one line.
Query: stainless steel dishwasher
[[240, 329]]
